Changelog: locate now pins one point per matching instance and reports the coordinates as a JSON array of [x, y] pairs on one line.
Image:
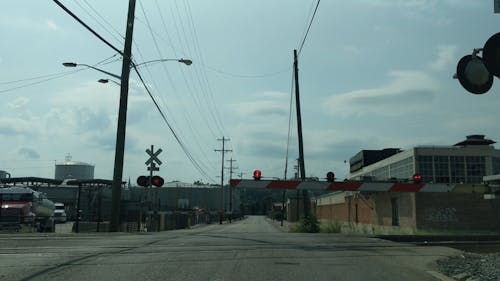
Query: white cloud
[[264, 105], [407, 91], [18, 102], [446, 55], [28, 152], [352, 49], [51, 25], [18, 127]]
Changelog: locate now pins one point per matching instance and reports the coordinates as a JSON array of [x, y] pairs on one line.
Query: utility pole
[[240, 174], [122, 121], [223, 150], [230, 188], [299, 129]]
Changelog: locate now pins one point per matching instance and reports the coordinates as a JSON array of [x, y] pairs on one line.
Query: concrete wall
[[417, 212], [467, 212]]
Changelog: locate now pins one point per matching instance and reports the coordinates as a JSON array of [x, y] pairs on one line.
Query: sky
[[373, 74]]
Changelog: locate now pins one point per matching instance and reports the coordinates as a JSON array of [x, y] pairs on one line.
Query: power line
[[183, 147], [249, 76], [183, 113], [119, 39], [49, 77], [88, 27], [309, 27]]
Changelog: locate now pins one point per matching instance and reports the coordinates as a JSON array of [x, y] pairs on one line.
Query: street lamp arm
[[184, 61], [72, 64]]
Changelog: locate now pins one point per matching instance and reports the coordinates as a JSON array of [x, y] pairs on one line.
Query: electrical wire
[[104, 20], [87, 27], [49, 77], [186, 116], [265, 75], [184, 148], [309, 27], [210, 95], [118, 39]]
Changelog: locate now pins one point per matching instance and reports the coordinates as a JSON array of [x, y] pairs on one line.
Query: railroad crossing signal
[[152, 167], [145, 181], [153, 156]]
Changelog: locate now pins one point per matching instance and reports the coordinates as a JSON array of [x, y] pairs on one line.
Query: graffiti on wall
[[441, 215]]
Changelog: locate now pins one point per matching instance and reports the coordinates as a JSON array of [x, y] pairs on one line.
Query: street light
[[74, 64], [104, 81]]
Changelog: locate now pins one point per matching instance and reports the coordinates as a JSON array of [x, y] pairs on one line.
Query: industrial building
[[467, 161], [74, 170], [470, 204]]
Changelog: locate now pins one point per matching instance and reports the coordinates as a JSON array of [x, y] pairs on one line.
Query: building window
[[402, 169], [476, 169], [425, 168], [496, 165], [457, 169], [442, 169], [381, 173]]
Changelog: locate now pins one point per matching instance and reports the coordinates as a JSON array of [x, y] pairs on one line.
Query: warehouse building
[[467, 206]]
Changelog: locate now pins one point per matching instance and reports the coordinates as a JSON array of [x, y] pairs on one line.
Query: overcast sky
[[373, 74]]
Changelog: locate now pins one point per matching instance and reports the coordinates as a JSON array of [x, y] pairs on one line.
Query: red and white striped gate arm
[[342, 185]]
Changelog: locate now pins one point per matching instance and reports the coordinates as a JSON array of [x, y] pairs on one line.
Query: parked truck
[[23, 207]]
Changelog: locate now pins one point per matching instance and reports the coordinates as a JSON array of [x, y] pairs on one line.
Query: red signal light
[[330, 176], [257, 174], [157, 181], [145, 181], [417, 178]]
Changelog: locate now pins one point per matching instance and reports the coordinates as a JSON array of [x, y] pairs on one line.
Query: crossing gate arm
[[358, 186]]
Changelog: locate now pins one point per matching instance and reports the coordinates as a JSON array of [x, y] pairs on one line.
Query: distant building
[[74, 170], [465, 162]]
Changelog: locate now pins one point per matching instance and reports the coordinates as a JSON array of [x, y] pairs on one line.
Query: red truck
[[23, 207]]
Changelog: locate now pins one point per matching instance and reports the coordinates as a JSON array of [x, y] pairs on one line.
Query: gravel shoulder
[[471, 267]]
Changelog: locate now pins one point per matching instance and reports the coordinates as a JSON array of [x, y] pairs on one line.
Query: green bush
[[308, 224], [335, 227]]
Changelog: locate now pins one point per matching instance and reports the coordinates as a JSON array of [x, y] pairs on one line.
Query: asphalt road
[[252, 249]]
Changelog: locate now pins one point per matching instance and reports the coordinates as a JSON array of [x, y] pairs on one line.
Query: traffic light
[[491, 55], [417, 178], [473, 75], [257, 175], [476, 73], [330, 176], [155, 180]]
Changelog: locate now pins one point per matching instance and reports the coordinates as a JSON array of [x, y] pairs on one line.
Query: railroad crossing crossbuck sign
[[153, 157]]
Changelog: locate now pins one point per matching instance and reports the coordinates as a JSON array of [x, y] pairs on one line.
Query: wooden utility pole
[[223, 150], [302, 167], [122, 122], [230, 188]]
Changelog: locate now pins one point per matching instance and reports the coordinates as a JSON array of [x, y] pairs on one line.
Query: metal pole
[[122, 121], [151, 166], [77, 221], [223, 205], [299, 129], [99, 202]]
